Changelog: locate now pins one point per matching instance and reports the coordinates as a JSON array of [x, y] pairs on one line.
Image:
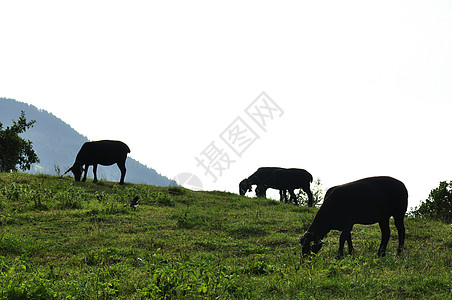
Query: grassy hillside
[[65, 239]]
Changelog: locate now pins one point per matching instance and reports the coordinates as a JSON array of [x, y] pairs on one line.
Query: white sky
[[365, 86]]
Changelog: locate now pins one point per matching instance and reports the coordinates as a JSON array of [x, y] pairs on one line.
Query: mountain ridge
[[56, 143]]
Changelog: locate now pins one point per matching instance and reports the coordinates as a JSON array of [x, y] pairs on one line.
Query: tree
[[438, 205], [14, 150]]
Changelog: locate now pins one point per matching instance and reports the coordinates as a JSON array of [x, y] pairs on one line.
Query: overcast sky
[[352, 88]]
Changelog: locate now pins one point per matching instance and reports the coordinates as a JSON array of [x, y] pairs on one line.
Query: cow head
[[244, 186], [306, 241], [77, 170]]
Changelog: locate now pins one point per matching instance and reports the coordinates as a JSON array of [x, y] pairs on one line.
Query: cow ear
[[70, 169]]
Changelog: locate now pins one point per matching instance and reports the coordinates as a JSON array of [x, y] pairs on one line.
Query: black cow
[[366, 201], [104, 153], [257, 178], [288, 179]]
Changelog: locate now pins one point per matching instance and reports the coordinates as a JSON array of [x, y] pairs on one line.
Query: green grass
[[61, 239]]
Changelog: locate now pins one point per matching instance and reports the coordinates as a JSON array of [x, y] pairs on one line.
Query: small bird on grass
[[134, 203]]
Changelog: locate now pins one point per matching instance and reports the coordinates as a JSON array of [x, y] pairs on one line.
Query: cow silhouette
[[104, 153]]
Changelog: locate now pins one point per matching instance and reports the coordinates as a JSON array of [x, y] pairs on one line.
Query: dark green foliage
[[438, 205], [317, 193], [16, 152]]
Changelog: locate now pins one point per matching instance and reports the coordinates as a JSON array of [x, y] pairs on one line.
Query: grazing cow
[[257, 178], [289, 179], [366, 201], [104, 153]]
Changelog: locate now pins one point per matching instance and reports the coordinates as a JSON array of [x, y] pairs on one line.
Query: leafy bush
[[438, 205], [317, 194]]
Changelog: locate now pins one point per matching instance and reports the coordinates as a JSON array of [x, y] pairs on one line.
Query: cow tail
[[127, 148]]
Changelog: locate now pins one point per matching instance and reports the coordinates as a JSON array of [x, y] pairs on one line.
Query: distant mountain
[[57, 144]]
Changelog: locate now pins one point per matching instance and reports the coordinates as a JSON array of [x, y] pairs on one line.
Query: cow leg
[[122, 167], [340, 252], [293, 197], [285, 197], [385, 233], [261, 191], [95, 173], [351, 250], [345, 236], [401, 233], [85, 172], [281, 195], [308, 192]]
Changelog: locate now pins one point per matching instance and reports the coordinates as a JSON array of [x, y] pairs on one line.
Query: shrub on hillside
[[317, 193], [15, 151], [438, 205]]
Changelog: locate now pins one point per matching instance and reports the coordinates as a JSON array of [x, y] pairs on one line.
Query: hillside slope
[[57, 144], [61, 239]]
